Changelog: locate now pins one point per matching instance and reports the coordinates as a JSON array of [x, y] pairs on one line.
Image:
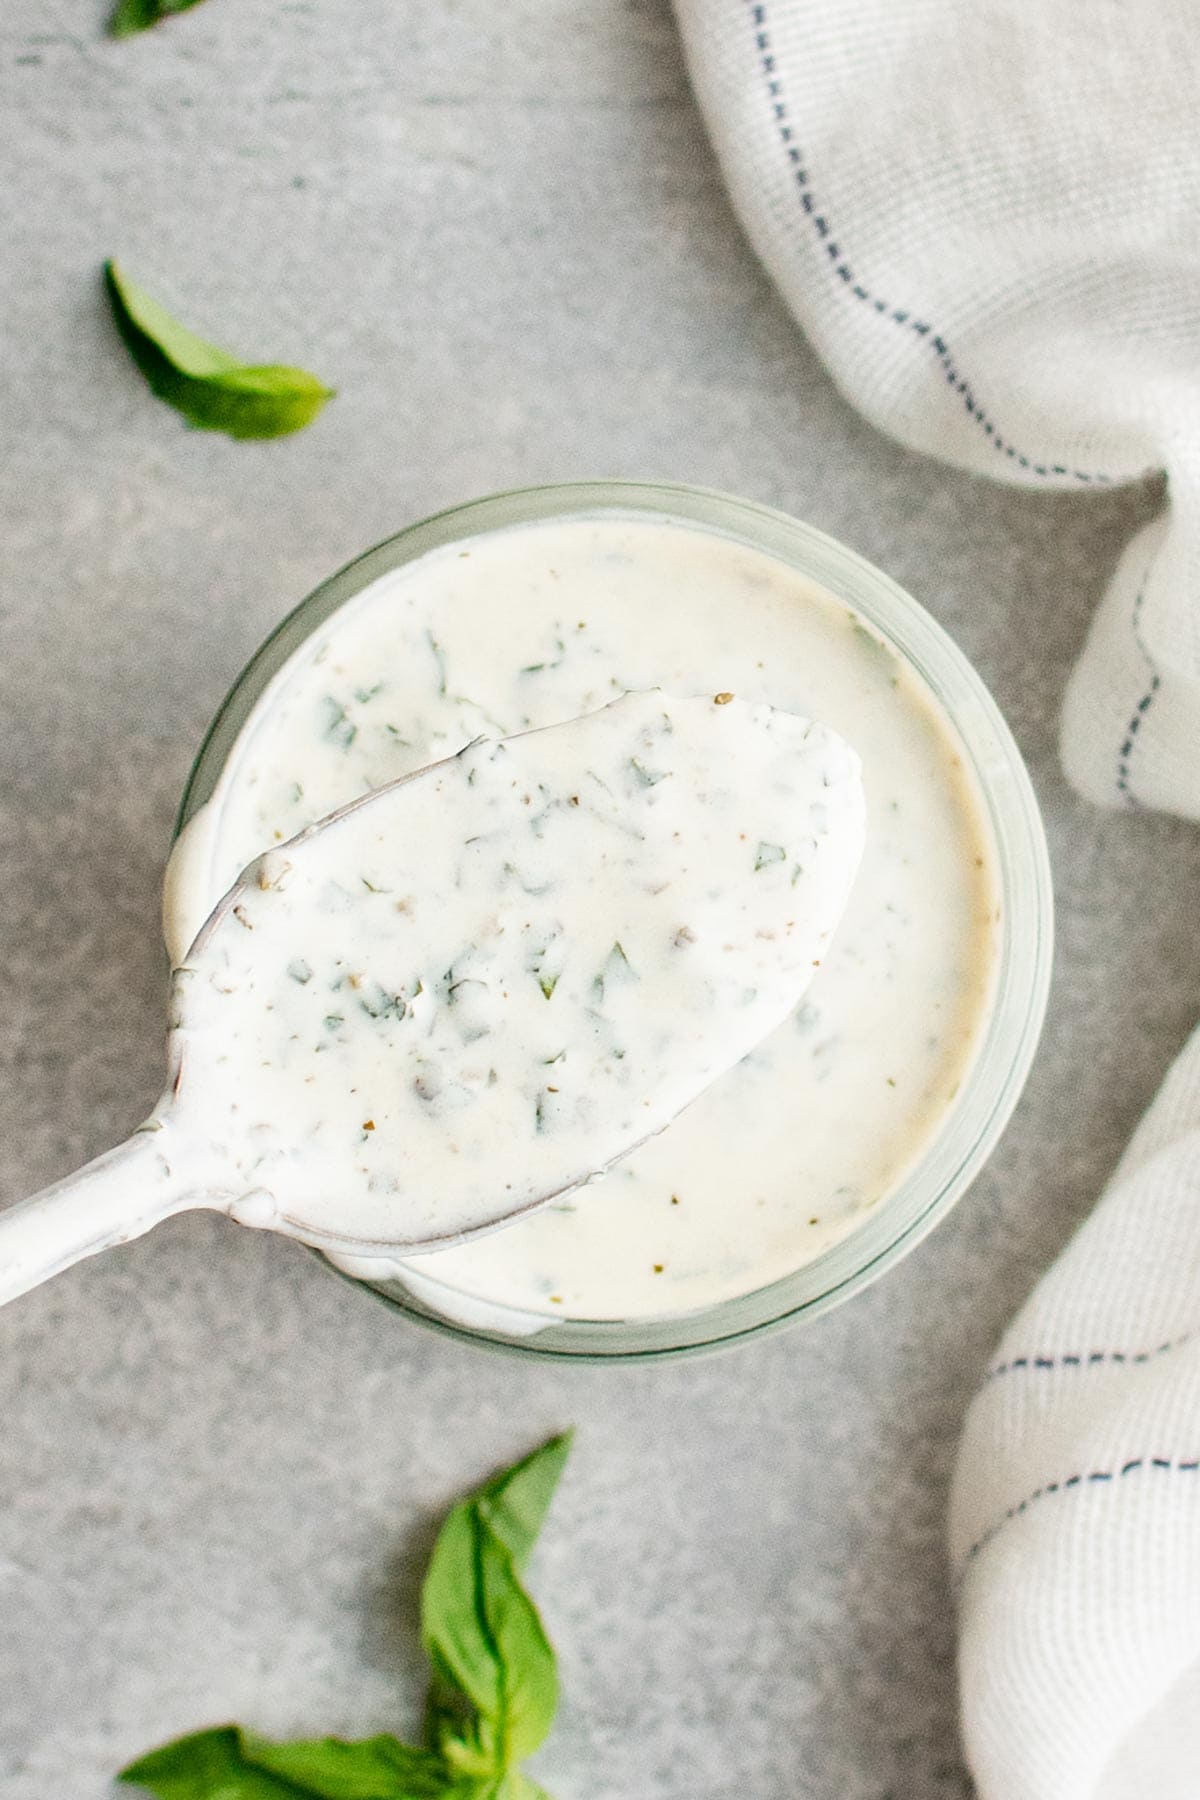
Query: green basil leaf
[[211, 388], [466, 1696], [232, 1764], [207, 1765], [511, 1786], [529, 1676], [378, 1768], [514, 1504], [520, 1787], [502, 1665], [136, 15], [495, 1686]]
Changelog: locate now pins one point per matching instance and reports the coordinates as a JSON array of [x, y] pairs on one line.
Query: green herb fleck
[[137, 15], [338, 728], [464, 981], [617, 971], [647, 777], [545, 962], [767, 854], [377, 1003], [876, 645], [300, 971], [465, 995], [533, 888], [538, 667], [439, 657], [212, 389], [493, 1696]]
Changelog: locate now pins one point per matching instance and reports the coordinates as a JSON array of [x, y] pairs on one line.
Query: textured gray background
[[500, 233]]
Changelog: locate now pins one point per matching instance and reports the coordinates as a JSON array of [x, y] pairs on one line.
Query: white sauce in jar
[[538, 623]]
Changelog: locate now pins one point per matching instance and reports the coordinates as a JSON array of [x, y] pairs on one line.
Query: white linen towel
[[1075, 1523], [986, 217]]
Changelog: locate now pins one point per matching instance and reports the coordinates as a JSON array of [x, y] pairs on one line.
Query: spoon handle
[[116, 1197]]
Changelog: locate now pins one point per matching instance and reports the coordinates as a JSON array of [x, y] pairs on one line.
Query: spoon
[[471, 991]]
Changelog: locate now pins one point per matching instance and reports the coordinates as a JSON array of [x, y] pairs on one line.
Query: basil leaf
[[207, 1765], [515, 1502], [136, 15], [519, 1787], [494, 1653], [512, 1786], [213, 390], [465, 1696], [231, 1764], [495, 1686], [378, 1768]]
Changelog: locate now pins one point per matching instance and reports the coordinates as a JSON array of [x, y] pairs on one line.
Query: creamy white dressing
[[790, 1149], [479, 987]]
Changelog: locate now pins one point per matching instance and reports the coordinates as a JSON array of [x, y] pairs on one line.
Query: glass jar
[[974, 1120]]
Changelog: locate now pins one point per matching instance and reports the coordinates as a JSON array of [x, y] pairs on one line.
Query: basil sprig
[[137, 15], [211, 388], [492, 1700]]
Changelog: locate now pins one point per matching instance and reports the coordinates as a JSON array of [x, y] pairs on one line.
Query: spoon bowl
[[466, 994]]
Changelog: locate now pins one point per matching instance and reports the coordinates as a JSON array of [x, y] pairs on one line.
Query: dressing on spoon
[[464, 995]]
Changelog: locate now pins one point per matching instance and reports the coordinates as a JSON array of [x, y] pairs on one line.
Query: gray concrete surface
[[500, 233]]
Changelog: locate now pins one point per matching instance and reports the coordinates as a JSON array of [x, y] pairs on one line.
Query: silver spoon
[[464, 995]]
